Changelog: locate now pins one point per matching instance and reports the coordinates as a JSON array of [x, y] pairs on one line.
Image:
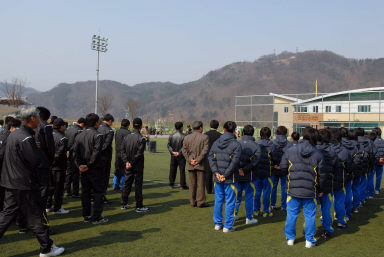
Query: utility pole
[[99, 44]]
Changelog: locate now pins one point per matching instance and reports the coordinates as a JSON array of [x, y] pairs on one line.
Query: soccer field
[[173, 228]]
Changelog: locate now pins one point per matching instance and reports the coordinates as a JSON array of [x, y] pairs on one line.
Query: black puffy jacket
[[281, 145], [21, 161], [224, 157], [250, 155], [61, 148], [304, 165], [132, 150], [379, 144], [87, 149], [265, 164], [354, 164], [329, 167], [343, 161], [367, 153]]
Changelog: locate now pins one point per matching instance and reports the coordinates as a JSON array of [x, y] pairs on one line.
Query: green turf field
[[173, 228]]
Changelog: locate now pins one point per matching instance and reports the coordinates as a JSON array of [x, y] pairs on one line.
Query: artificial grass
[[173, 228]]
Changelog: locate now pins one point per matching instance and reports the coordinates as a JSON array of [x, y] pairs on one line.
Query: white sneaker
[[251, 221], [236, 217], [377, 192], [309, 244], [48, 210], [55, 251], [125, 207], [291, 242], [61, 211], [226, 230], [370, 197], [218, 227]]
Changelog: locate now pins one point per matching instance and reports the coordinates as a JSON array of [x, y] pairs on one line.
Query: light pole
[[99, 44]]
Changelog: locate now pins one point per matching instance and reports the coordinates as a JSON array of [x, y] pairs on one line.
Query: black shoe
[[106, 201], [100, 220], [171, 185], [204, 205], [185, 187], [116, 189], [22, 230], [194, 205], [87, 219], [67, 194], [326, 235]]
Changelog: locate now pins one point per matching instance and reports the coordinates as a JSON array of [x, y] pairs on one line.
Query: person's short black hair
[[281, 130], [137, 123], [343, 132], [178, 125], [335, 135], [58, 122], [108, 117], [16, 123], [44, 113], [248, 130], [91, 119], [8, 119], [324, 136], [1, 122], [81, 120], [360, 132], [352, 135], [372, 135], [309, 134], [125, 123], [197, 125], [377, 130], [265, 133], [295, 136], [230, 126], [53, 118], [214, 124]]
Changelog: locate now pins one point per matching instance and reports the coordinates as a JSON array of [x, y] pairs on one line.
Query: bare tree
[[131, 106], [14, 91], [105, 103]]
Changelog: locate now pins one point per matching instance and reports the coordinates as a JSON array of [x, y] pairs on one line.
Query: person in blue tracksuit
[[250, 155], [295, 137], [281, 145], [224, 160], [372, 162], [343, 161], [351, 147], [330, 166], [304, 165], [369, 153], [379, 161], [263, 182]]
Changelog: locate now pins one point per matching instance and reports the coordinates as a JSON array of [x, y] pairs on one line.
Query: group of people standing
[[338, 164]]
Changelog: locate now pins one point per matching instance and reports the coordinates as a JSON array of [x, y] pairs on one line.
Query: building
[[353, 108]]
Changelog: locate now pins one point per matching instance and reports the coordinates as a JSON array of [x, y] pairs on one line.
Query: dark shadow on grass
[[105, 238]]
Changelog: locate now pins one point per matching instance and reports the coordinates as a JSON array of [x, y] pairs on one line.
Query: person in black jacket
[[224, 159], [213, 135], [72, 173], [106, 152], [132, 154], [329, 168], [343, 161], [304, 165], [118, 179], [250, 155], [20, 177], [59, 166], [378, 167], [175, 144], [87, 156], [281, 145], [11, 125]]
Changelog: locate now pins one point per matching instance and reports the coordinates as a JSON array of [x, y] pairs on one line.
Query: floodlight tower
[[99, 44]]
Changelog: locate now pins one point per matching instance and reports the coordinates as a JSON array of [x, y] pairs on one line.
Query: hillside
[[212, 96]]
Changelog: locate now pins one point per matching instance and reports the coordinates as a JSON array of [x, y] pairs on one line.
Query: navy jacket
[[343, 161], [250, 155], [265, 164], [281, 145], [379, 144], [366, 152], [304, 165], [224, 157], [353, 165], [329, 167]]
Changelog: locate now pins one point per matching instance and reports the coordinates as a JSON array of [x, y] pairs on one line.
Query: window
[[328, 108], [285, 109], [364, 108], [316, 109], [338, 108]]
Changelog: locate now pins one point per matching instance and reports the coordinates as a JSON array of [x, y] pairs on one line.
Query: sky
[[48, 42]]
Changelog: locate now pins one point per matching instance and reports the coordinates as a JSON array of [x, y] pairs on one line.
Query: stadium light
[[99, 44]]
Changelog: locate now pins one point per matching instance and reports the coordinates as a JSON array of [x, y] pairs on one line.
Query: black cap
[[58, 123]]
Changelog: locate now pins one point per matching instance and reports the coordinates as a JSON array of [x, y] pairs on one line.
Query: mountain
[[213, 95]]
